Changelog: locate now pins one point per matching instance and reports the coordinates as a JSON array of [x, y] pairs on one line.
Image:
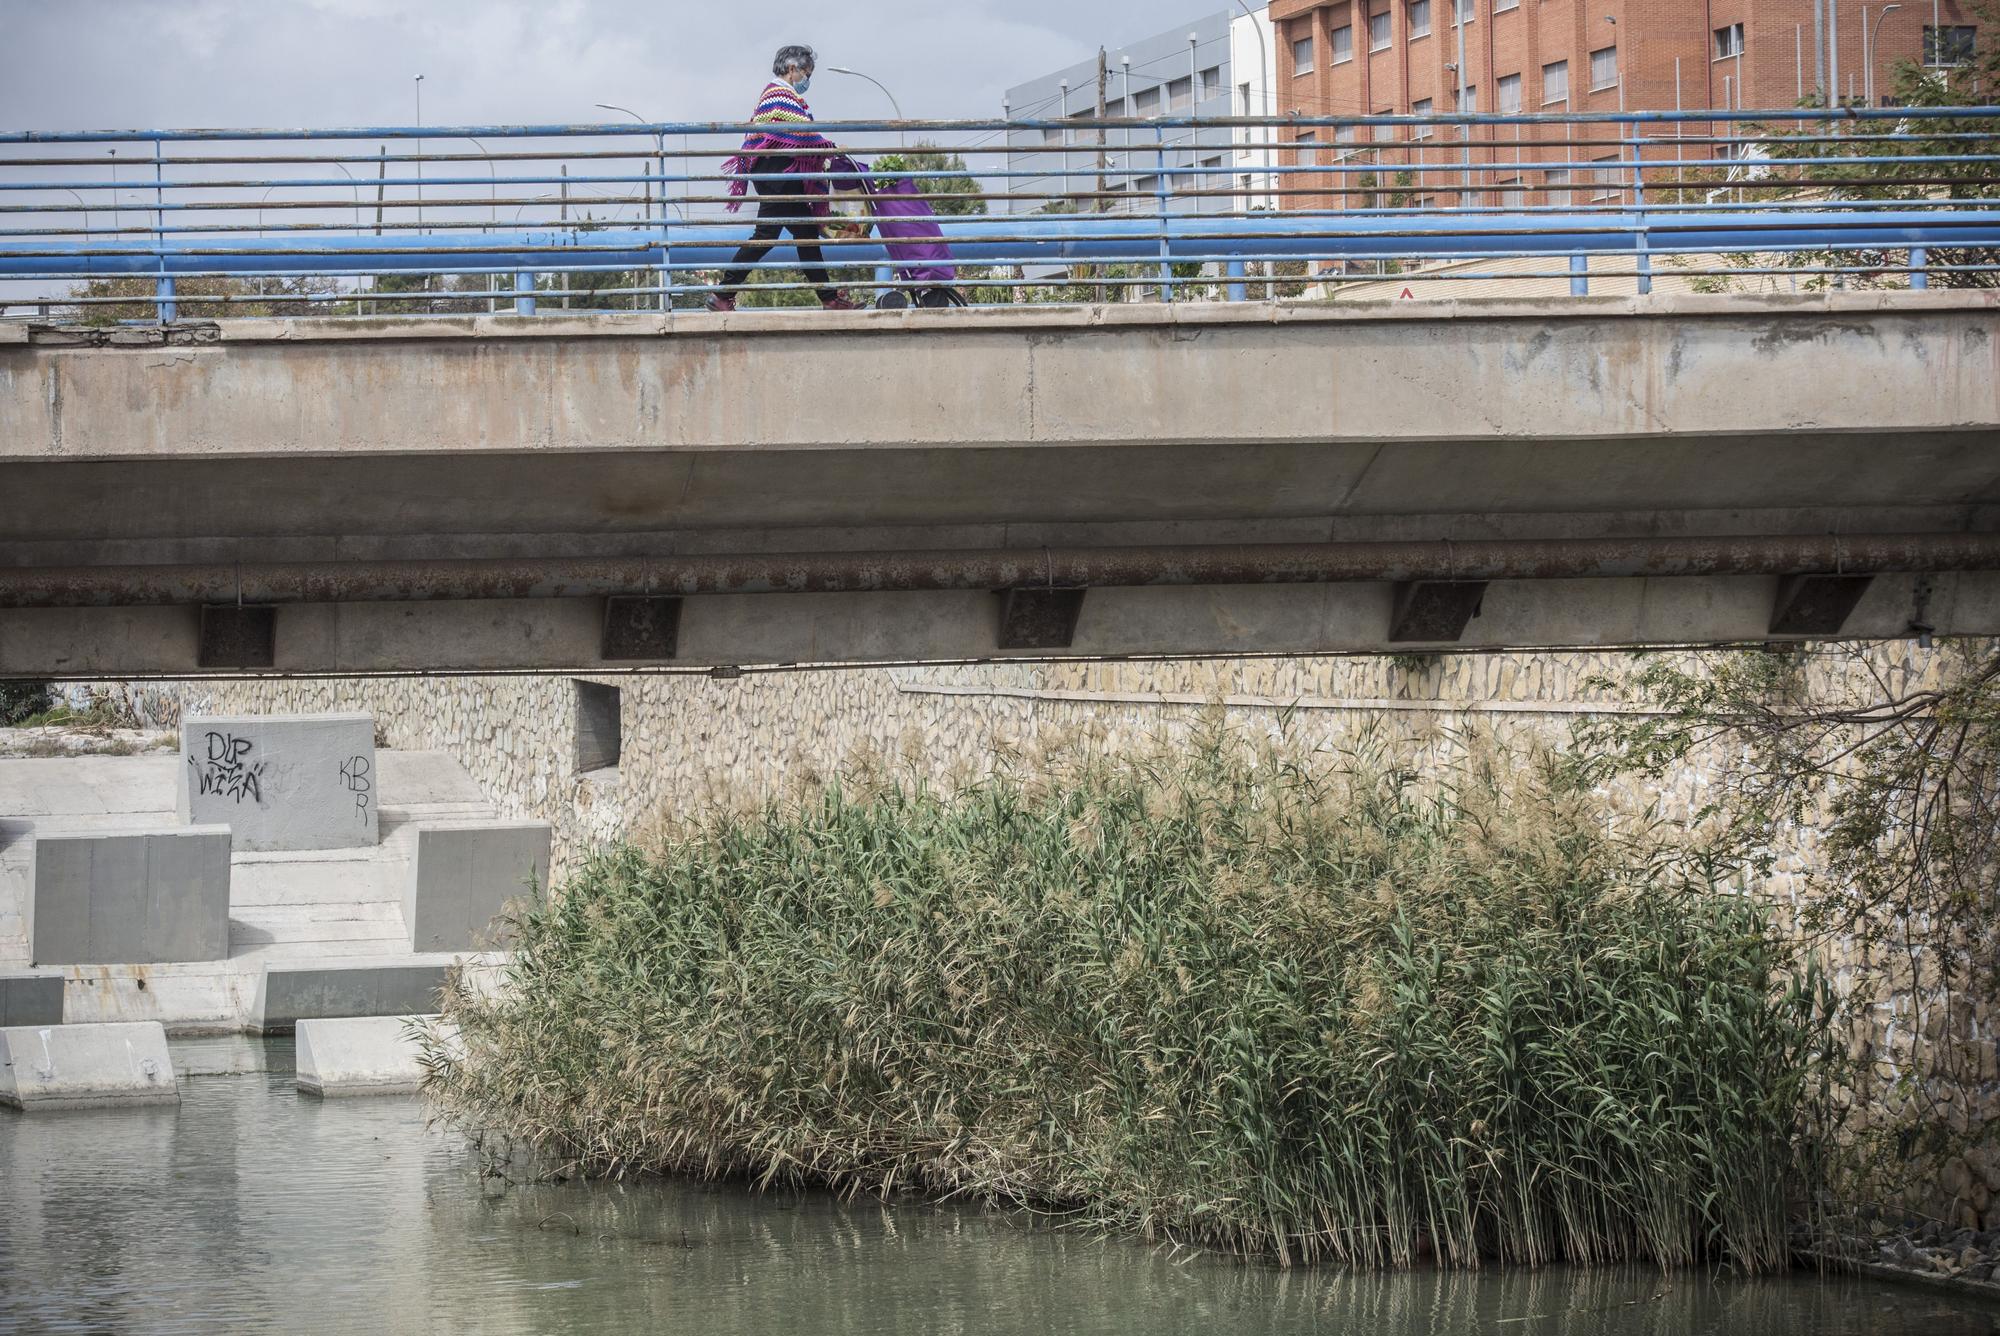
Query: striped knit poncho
[[787, 133]]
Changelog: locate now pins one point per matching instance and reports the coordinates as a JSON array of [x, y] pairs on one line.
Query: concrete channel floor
[[329, 908]]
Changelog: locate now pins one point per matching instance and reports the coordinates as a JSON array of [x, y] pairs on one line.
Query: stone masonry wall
[[694, 743]]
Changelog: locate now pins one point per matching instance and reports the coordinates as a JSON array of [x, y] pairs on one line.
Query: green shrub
[[20, 701], [1303, 1007]]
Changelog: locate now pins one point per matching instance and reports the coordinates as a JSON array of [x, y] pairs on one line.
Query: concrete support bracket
[[1435, 611], [1817, 605]]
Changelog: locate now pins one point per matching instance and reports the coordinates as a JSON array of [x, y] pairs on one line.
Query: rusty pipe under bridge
[[1069, 568]]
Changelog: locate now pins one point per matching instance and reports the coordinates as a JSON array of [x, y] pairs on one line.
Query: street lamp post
[[1870, 44], [419, 165], [660, 151], [901, 136]]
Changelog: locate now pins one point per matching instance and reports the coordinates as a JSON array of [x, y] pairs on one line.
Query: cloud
[[348, 62]]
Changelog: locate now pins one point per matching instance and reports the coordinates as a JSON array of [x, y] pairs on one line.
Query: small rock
[[1969, 1258]]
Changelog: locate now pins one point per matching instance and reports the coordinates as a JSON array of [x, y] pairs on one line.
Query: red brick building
[[1398, 57]]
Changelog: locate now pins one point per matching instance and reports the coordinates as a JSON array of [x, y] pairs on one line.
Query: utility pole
[[1819, 50], [1460, 11], [1103, 86]]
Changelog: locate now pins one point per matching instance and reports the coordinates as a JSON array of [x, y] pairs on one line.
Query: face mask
[[805, 83]]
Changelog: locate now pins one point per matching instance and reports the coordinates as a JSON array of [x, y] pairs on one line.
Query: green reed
[[1307, 1007]]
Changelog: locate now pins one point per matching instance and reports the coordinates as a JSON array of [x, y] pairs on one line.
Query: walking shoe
[[841, 303], [721, 303]]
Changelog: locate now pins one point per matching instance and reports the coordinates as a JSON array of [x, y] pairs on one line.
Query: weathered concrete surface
[[34, 997], [85, 1066], [282, 782], [320, 909], [1533, 370], [463, 877], [129, 898], [289, 994], [373, 1055], [331, 441]]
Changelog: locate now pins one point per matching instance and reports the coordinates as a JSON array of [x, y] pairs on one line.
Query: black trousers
[[782, 206]]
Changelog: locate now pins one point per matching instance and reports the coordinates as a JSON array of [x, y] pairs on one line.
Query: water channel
[[249, 1209]]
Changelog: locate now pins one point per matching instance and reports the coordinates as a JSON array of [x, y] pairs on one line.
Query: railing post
[[1239, 291], [1642, 236], [164, 310], [1160, 166], [524, 292], [1920, 258], [1579, 275]]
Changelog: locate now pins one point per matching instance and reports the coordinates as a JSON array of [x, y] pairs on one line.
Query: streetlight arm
[[842, 69]]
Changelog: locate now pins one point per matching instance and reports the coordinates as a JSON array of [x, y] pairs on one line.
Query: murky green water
[[249, 1209]]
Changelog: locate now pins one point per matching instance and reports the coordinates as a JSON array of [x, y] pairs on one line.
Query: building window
[[1461, 11], [1949, 45], [1422, 108], [1180, 94], [599, 727], [1146, 103], [1147, 185], [1346, 134], [1468, 98], [1378, 31], [1243, 92], [1420, 18], [1384, 133], [1556, 179], [1302, 55], [1512, 196], [1115, 110], [1501, 6], [1555, 82], [1508, 91], [1608, 180], [1604, 68], [1343, 43], [1729, 41], [1052, 135], [1211, 83]]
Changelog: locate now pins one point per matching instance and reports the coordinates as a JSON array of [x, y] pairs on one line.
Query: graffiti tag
[[357, 779], [226, 769]]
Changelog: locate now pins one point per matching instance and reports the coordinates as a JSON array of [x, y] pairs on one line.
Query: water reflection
[[249, 1209]]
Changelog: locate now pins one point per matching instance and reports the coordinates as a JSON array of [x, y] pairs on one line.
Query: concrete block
[[129, 898], [371, 1055], [287, 995], [463, 876], [301, 781], [85, 1066], [33, 998]]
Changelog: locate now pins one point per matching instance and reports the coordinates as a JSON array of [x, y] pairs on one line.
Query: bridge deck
[[221, 453]]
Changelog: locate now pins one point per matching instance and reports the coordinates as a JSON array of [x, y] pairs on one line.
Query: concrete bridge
[[689, 491]]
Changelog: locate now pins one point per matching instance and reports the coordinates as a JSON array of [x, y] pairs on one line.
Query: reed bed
[[1301, 1007]]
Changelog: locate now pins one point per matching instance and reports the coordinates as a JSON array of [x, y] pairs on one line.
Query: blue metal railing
[[151, 224]]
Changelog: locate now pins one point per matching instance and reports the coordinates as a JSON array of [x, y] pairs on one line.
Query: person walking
[[783, 146]]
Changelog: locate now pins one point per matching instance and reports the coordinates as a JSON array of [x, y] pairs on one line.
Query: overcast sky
[[117, 64]]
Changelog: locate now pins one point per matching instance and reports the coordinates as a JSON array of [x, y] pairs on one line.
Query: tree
[[1892, 773], [131, 298], [1886, 160], [958, 195]]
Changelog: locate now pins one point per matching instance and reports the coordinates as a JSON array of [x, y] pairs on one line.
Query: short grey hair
[[791, 58]]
